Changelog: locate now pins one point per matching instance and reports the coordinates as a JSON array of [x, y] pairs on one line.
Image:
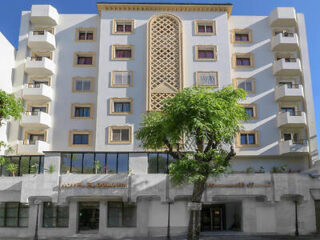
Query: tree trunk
[[194, 226]]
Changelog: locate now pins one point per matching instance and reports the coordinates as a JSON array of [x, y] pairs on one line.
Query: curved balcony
[[291, 147], [283, 17], [41, 40], [32, 148], [287, 66], [285, 42], [40, 66], [289, 93], [36, 120], [36, 92], [289, 119], [44, 15]]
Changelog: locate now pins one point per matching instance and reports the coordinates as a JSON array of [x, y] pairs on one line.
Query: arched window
[[164, 62]]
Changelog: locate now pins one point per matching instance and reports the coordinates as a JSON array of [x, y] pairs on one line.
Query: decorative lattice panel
[[165, 44]]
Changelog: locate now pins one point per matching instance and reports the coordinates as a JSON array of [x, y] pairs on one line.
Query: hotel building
[[86, 80]]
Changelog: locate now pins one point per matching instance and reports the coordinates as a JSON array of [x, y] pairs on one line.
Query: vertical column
[[73, 217], [102, 217]]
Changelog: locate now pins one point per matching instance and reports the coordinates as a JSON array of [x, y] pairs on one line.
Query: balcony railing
[[285, 42], [294, 147], [291, 119], [41, 40], [45, 15], [37, 91], [32, 147], [36, 119], [39, 65], [287, 66]]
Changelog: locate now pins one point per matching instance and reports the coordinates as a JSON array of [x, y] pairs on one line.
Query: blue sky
[[11, 11]]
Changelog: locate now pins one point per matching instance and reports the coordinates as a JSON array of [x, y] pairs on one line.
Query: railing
[[295, 113], [300, 141], [39, 32], [38, 58], [32, 113], [36, 85], [291, 85], [287, 59], [285, 34]]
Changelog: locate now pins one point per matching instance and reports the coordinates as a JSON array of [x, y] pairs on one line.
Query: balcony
[[283, 17], [37, 92], [32, 148], [40, 66], [44, 15], [286, 92], [41, 40], [35, 120], [287, 66], [294, 148], [289, 119], [285, 42]]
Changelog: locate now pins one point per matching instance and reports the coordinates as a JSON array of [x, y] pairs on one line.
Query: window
[[205, 27], [25, 165], [55, 216], [122, 52], [123, 26], [86, 162], [37, 82], [242, 36], [207, 79], [248, 139], [120, 105], [251, 110], [122, 214], [38, 56], [243, 60], [84, 59], [31, 137], [33, 109], [82, 84], [121, 78], [82, 111], [206, 53], [42, 30], [85, 34], [14, 214], [247, 84], [294, 136], [159, 162], [121, 134], [79, 138]]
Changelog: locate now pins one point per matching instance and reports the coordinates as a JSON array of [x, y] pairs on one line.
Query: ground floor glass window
[[55, 216], [14, 214], [159, 162], [122, 215]]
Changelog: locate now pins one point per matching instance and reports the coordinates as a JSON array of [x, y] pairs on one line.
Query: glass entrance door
[[88, 217], [212, 218]]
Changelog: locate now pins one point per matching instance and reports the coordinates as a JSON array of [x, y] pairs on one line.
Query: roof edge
[[184, 7]]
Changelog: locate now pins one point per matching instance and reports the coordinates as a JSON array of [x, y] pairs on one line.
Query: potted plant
[[12, 167], [249, 170], [261, 170]]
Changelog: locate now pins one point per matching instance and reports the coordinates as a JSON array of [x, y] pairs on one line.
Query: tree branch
[[230, 154]]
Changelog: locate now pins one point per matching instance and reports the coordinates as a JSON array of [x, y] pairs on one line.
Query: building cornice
[[165, 7]]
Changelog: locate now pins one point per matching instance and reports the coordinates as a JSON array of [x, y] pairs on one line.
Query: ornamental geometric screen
[[164, 62]]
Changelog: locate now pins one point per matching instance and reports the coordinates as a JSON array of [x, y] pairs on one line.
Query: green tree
[[9, 107], [197, 128]]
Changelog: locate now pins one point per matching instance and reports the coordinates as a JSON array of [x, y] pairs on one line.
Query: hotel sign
[[94, 185]]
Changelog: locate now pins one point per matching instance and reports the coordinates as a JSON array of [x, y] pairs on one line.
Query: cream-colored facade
[[86, 80]]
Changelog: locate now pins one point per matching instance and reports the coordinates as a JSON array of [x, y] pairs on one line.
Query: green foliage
[[208, 119], [97, 166], [12, 167], [51, 169], [9, 106]]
